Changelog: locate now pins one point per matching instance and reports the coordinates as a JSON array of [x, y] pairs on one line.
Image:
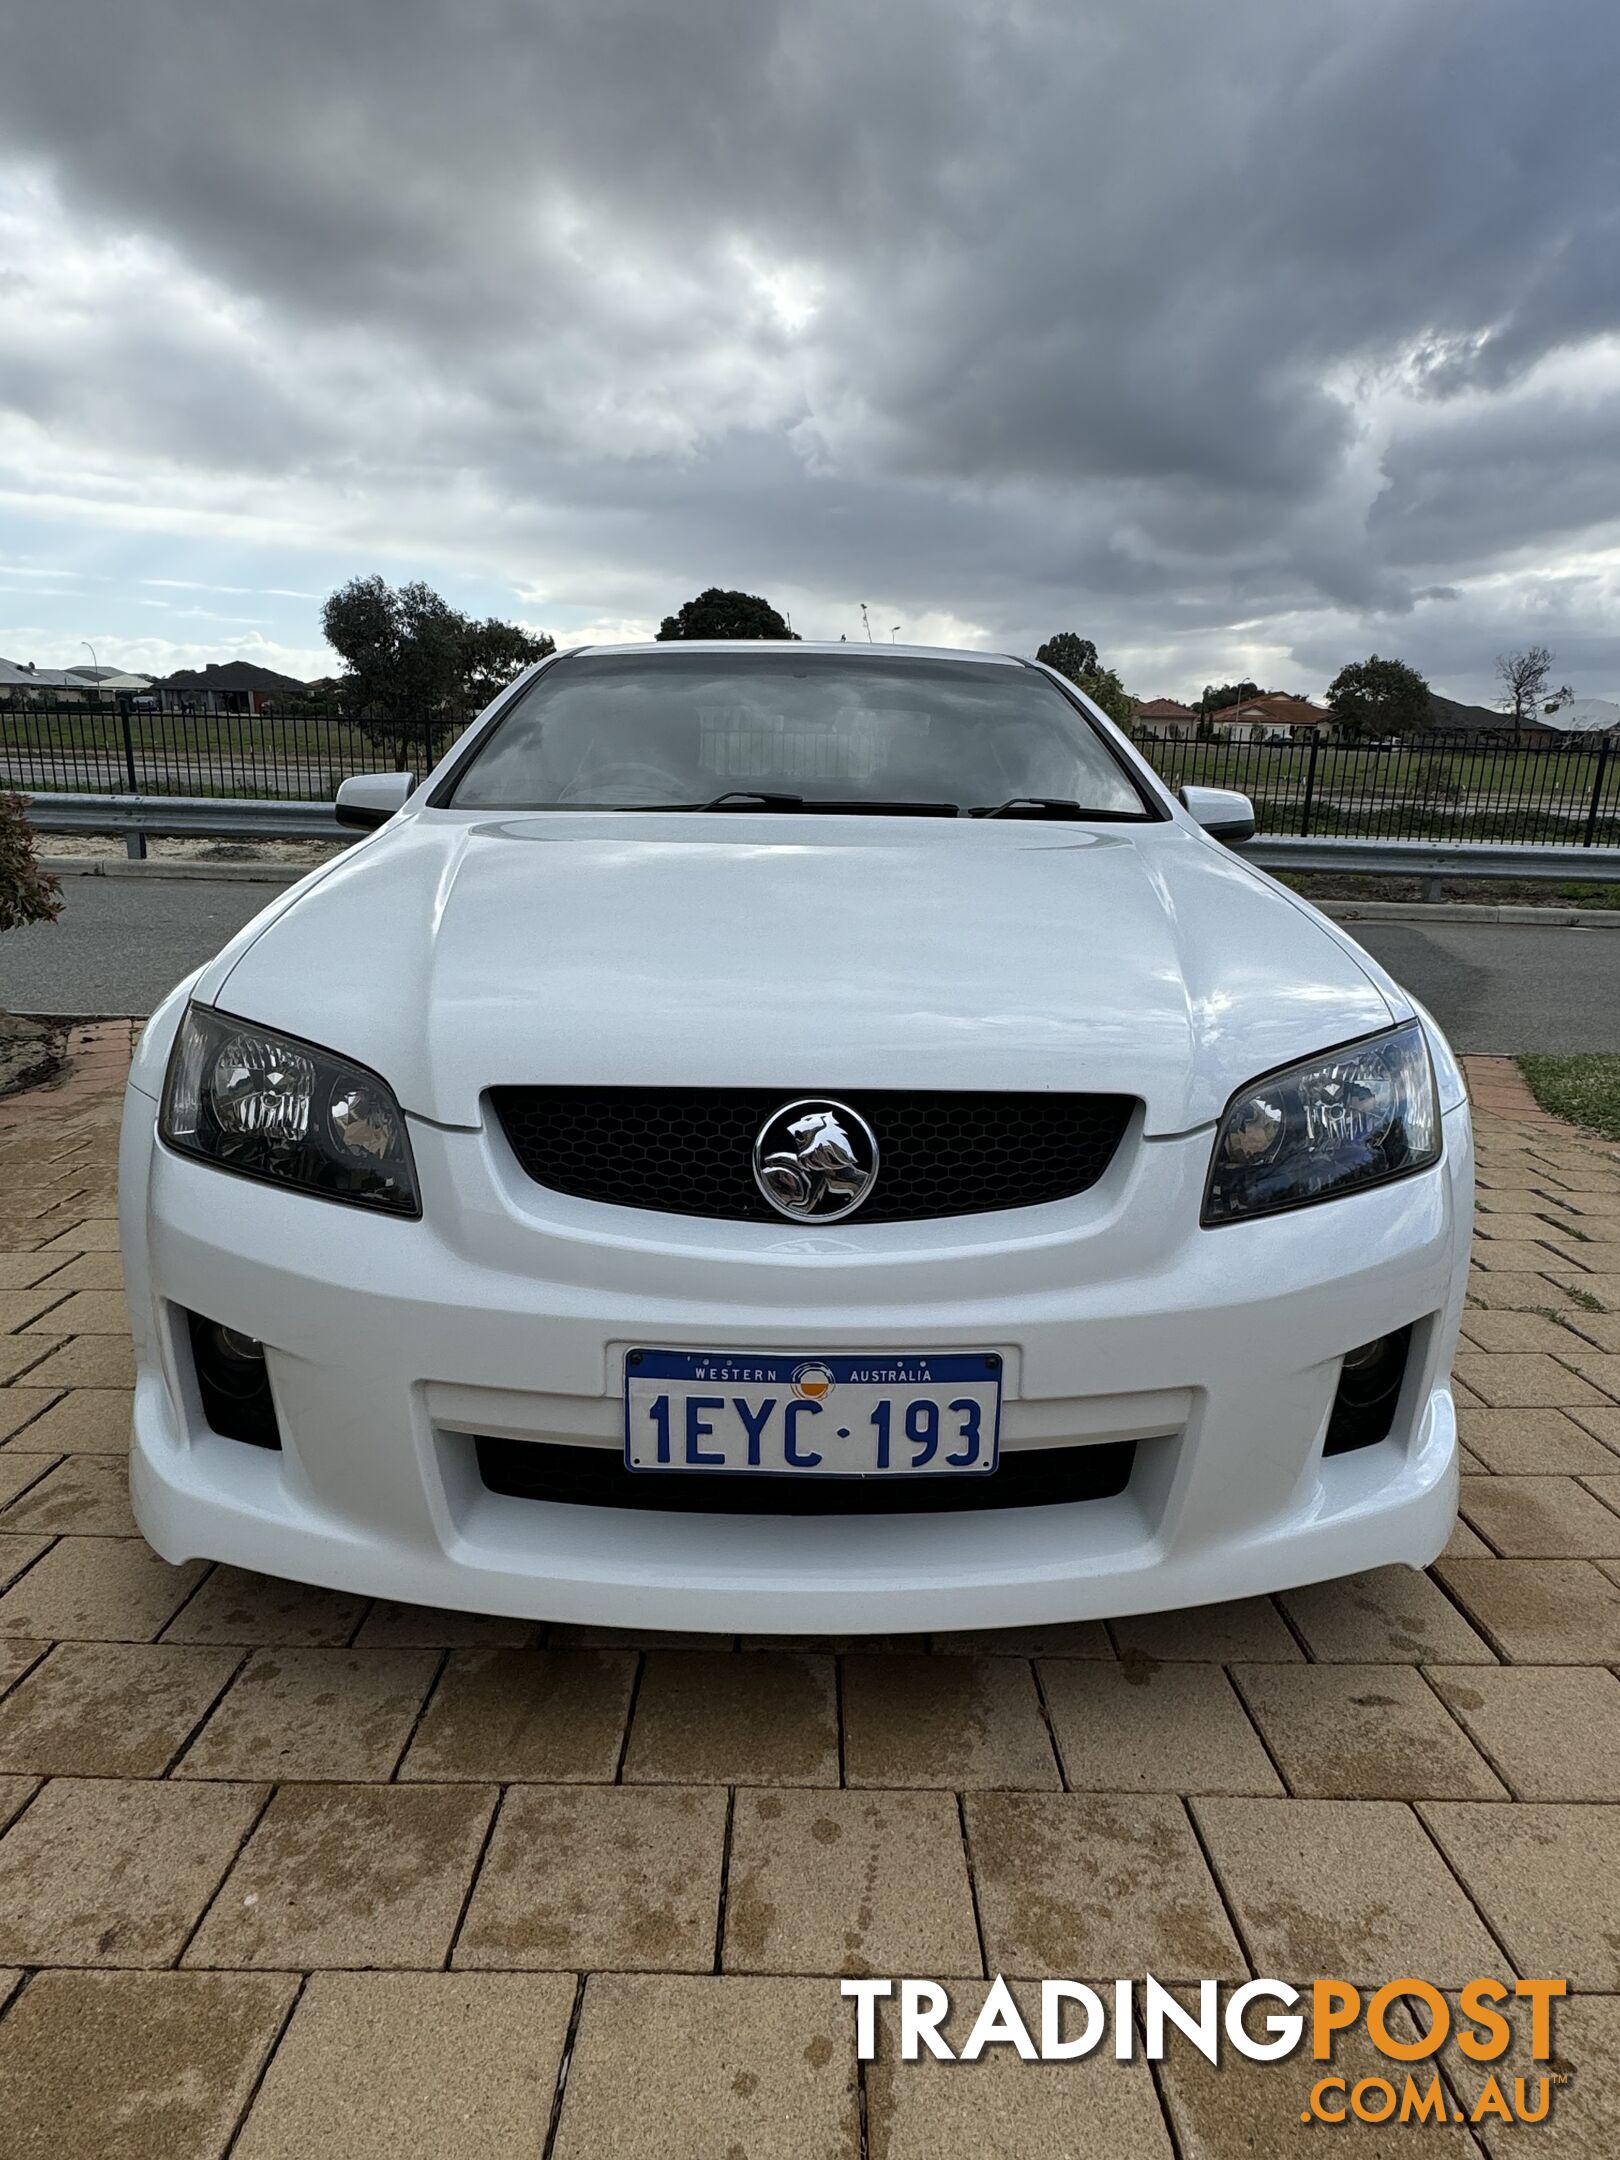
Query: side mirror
[[1223, 812], [370, 799]]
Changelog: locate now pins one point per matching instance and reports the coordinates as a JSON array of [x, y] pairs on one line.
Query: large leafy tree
[[492, 652], [718, 614], [1378, 697], [1076, 657], [1070, 654], [27, 893], [416, 668]]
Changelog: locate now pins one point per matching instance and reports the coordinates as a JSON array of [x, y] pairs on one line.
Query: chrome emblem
[[815, 1161]]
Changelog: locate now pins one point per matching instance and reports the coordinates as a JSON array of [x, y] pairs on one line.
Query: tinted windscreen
[[678, 729]]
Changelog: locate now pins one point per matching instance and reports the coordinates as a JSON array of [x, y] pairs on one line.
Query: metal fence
[[293, 757], [1426, 788], [1557, 794]]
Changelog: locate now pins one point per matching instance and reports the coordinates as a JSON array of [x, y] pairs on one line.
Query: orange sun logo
[[814, 1383]]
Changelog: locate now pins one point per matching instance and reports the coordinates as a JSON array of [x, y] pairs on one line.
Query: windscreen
[[679, 730]]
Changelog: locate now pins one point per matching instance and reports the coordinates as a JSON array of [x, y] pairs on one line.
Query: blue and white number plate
[[922, 1414]]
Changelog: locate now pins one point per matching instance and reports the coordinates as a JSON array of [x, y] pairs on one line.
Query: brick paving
[[288, 1872]]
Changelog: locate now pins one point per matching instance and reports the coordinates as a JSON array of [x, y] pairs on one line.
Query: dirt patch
[[109, 847], [30, 1052]]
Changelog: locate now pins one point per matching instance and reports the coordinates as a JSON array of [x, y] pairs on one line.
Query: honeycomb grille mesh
[[689, 1151]]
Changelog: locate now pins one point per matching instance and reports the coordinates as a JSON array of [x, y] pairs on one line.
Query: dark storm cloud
[[1187, 323], [1501, 477]]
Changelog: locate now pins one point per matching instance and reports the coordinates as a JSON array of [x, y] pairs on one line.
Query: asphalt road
[[121, 943], [1506, 987]]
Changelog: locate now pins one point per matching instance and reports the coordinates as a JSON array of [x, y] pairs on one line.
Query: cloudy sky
[[1251, 337]]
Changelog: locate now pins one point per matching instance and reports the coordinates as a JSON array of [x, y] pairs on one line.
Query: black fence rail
[[1557, 794], [100, 750], [1562, 794]]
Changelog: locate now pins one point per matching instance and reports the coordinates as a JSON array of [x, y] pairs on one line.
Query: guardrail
[[1433, 860], [211, 817], [224, 817]]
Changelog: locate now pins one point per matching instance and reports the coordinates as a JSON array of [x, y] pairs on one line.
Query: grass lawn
[[1326, 885], [1586, 1090]]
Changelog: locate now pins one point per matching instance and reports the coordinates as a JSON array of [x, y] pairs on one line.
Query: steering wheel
[[632, 782]]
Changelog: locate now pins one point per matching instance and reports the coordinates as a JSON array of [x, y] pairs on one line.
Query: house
[[110, 679], [20, 678], [231, 686], [1482, 722], [1164, 716], [1273, 714], [1487, 724], [1594, 718]]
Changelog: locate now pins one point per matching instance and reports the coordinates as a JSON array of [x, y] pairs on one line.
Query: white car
[[785, 1137]]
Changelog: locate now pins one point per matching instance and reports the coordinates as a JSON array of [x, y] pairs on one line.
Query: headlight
[[272, 1107], [1351, 1118]]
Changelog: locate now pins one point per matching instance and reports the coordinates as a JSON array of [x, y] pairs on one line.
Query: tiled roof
[[1275, 709]]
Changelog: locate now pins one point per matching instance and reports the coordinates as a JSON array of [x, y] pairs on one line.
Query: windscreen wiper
[[747, 799], [1051, 806], [862, 806]]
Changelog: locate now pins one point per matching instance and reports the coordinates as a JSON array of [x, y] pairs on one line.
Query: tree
[[718, 614], [1523, 676], [1076, 657], [417, 668], [492, 653], [27, 893], [1104, 688], [1070, 655], [1216, 698], [1378, 697]]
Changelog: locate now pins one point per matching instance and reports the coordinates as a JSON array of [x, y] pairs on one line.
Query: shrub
[[27, 894]]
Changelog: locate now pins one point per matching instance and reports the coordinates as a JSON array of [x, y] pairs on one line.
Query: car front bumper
[[507, 1311]]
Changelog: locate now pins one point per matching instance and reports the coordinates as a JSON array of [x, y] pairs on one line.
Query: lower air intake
[[597, 1477]]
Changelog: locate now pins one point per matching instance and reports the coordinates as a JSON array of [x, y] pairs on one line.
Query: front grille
[[689, 1151], [597, 1477]]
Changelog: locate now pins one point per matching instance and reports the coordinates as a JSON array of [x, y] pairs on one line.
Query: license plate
[[922, 1415]]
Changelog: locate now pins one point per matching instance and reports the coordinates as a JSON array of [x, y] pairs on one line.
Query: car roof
[[787, 648]]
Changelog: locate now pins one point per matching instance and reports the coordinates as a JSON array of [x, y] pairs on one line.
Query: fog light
[[1369, 1389], [234, 1383], [1370, 1353], [238, 1360]]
